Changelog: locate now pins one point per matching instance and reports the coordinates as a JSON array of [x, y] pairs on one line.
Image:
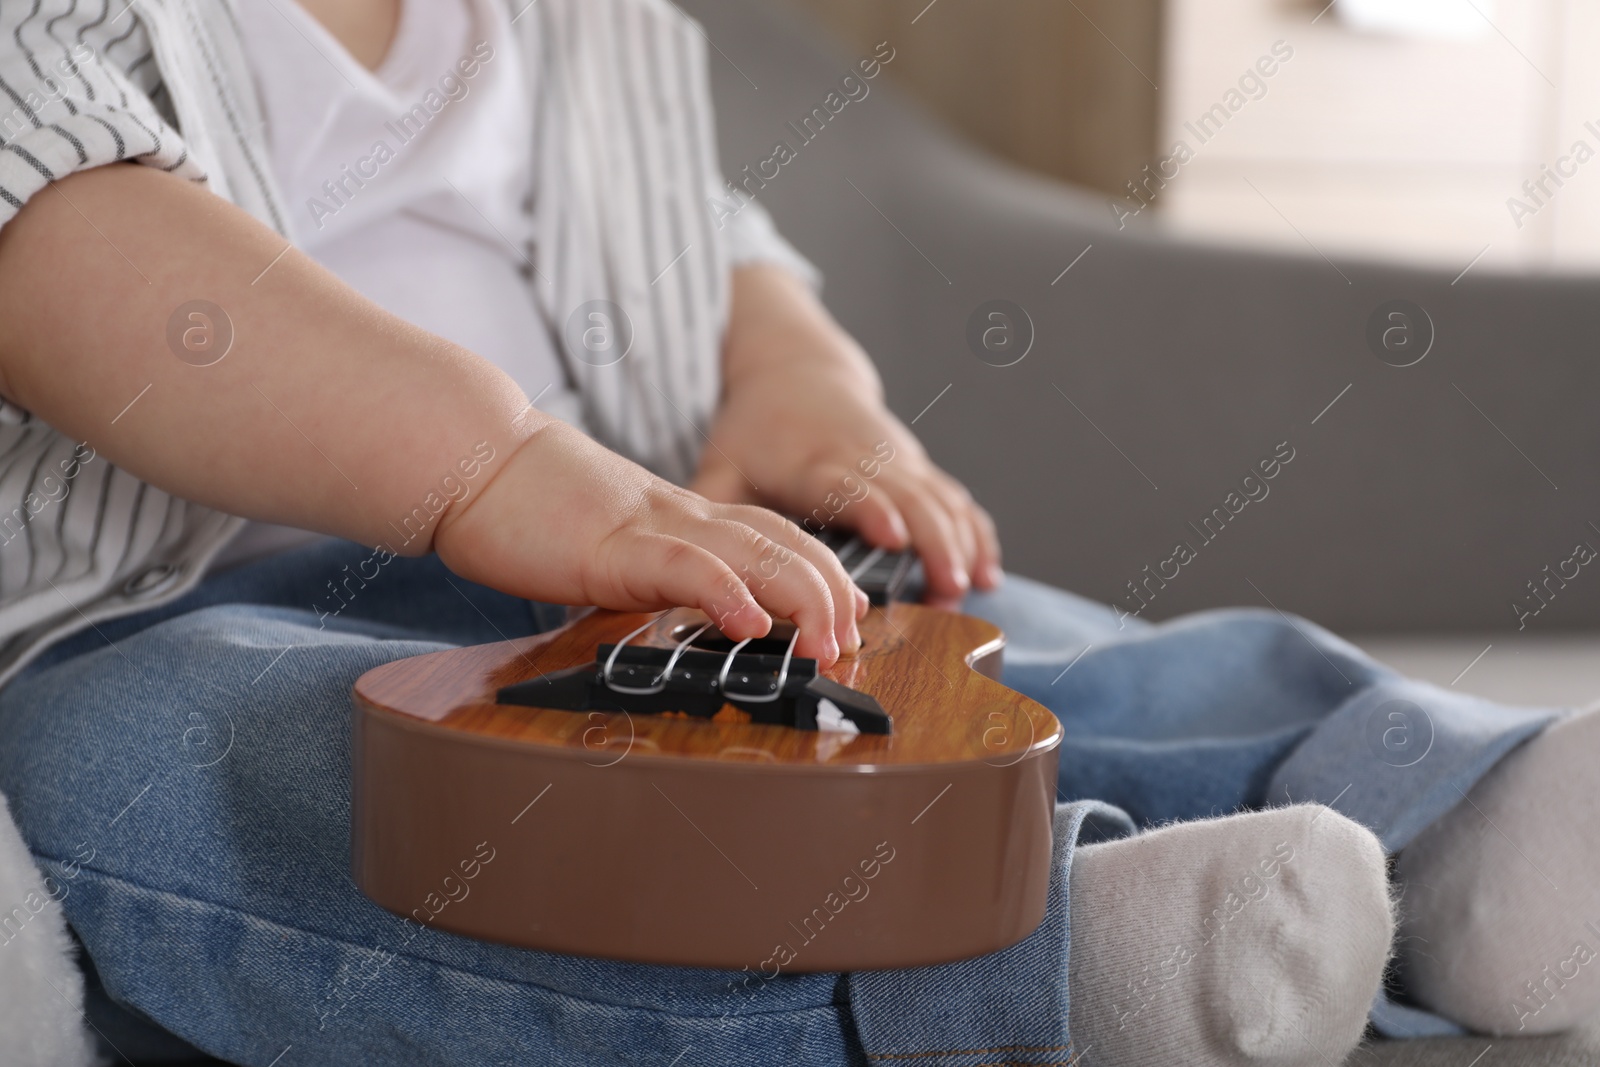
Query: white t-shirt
[[410, 182]]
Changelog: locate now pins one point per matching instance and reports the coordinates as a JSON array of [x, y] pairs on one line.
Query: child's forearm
[[330, 414], [776, 321], [326, 413]]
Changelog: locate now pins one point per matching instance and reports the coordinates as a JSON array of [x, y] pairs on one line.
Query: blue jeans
[[183, 775]]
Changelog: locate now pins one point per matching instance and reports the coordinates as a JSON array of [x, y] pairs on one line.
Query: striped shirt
[[624, 167]]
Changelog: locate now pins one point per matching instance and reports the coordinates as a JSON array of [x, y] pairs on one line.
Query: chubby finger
[[933, 535], [958, 507], [879, 522], [979, 539], [782, 580], [683, 573], [988, 573], [871, 514], [843, 590]]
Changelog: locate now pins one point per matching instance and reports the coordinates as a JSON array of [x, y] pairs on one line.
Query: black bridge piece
[[695, 687]]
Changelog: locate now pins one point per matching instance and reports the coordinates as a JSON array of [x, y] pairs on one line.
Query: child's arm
[[803, 410], [333, 415]]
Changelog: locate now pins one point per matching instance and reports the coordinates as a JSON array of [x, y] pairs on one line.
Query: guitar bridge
[[784, 690]]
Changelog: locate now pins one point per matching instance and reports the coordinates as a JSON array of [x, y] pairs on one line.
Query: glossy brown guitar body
[[721, 842]]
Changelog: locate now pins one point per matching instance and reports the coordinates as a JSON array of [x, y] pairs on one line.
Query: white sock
[[1500, 926], [1251, 940]]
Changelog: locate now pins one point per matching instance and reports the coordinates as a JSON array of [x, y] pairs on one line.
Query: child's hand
[[566, 521], [802, 410], [803, 438]]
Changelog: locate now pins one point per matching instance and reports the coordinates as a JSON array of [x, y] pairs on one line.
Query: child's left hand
[[802, 410]]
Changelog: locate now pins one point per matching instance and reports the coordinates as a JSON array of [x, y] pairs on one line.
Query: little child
[[429, 293]]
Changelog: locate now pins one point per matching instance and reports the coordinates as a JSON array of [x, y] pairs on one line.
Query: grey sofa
[[1405, 508]]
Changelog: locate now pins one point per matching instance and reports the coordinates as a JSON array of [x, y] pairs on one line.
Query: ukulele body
[[713, 843]]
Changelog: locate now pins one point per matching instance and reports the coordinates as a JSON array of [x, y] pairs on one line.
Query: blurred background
[[1397, 127], [1365, 231]]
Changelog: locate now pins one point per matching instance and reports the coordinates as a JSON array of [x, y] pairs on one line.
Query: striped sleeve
[[750, 236], [70, 97]]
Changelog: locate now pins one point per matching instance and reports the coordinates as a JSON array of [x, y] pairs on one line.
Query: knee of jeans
[[1039, 616], [230, 625], [1264, 629], [252, 650], [182, 695]]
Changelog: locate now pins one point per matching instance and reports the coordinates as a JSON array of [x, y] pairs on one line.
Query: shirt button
[[153, 580]]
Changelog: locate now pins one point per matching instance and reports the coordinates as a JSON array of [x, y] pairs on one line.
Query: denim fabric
[[1009, 1007], [184, 776], [1242, 708]]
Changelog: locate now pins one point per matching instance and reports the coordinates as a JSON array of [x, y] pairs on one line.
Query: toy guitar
[[639, 787]]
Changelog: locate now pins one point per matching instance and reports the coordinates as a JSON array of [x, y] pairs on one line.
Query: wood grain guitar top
[[927, 667]]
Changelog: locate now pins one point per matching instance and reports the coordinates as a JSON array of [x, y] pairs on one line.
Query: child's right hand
[[566, 521]]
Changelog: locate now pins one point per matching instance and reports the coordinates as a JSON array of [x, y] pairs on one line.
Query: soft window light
[[1427, 19]]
